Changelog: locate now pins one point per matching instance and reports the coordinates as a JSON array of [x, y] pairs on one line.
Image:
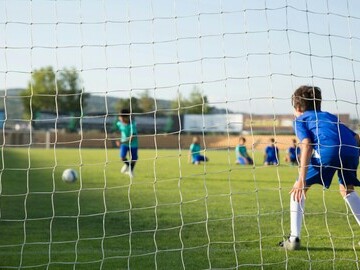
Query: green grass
[[172, 215]]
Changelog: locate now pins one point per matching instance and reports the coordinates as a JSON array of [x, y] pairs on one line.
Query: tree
[[131, 104], [71, 96], [197, 103], [141, 104], [40, 92], [146, 102], [53, 92]]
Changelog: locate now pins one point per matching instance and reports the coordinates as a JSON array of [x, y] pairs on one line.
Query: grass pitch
[[172, 215]]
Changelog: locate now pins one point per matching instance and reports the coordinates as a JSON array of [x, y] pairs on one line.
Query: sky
[[245, 56]]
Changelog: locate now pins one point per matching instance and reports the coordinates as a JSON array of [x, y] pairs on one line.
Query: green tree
[[54, 92], [197, 103], [131, 104], [71, 97], [40, 93], [146, 102]]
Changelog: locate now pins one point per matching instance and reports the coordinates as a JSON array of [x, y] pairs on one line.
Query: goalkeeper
[[327, 146], [129, 141]]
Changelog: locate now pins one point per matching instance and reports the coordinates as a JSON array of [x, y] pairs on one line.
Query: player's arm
[[246, 156], [305, 155], [190, 154], [118, 127], [241, 155], [357, 139], [287, 156], [277, 155], [133, 132]]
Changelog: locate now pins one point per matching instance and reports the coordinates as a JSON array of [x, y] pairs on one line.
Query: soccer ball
[[69, 176]]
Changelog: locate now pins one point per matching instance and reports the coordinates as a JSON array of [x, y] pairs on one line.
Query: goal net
[[204, 71]]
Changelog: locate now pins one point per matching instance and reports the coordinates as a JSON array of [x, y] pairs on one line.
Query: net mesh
[[185, 57]]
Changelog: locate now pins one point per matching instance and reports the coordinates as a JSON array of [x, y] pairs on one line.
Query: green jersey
[[128, 130], [241, 151], [195, 149]]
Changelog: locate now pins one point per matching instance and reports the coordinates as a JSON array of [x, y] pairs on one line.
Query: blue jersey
[[128, 130], [271, 153], [331, 140], [293, 152]]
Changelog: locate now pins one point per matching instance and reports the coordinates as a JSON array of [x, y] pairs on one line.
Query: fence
[[47, 139]]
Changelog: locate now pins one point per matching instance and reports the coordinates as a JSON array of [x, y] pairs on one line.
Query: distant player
[[242, 156], [271, 156], [194, 152], [327, 146], [293, 153], [129, 141]]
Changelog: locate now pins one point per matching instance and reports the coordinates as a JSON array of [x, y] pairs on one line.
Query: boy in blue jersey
[[129, 141], [327, 146], [242, 156], [195, 150], [271, 156], [293, 153]]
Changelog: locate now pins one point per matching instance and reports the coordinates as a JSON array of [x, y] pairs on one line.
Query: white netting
[[239, 59]]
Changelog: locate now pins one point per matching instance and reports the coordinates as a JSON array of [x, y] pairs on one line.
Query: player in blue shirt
[[327, 147], [271, 156], [293, 153], [129, 141], [195, 150]]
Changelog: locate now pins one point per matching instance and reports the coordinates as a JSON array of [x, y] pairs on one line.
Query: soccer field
[[172, 215]]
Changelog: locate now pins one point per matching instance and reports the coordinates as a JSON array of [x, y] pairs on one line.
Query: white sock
[[353, 201], [296, 217]]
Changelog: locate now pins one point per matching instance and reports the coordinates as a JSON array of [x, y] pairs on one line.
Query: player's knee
[[344, 191]]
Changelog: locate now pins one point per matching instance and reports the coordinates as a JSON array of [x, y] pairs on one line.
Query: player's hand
[[117, 143], [298, 191]]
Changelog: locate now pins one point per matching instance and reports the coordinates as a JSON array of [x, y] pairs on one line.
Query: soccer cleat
[[290, 245], [125, 168]]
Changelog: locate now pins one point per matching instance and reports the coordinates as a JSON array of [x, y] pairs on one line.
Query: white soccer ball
[[69, 176]]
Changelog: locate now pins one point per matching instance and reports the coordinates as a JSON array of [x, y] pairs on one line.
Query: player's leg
[[241, 161], [347, 181], [123, 153], [315, 175], [296, 217], [133, 157], [196, 160], [352, 199], [297, 210], [201, 158], [293, 161]]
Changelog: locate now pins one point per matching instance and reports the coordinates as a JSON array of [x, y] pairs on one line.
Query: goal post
[[194, 75]]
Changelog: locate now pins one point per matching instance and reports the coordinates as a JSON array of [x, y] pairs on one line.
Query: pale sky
[[247, 56]]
